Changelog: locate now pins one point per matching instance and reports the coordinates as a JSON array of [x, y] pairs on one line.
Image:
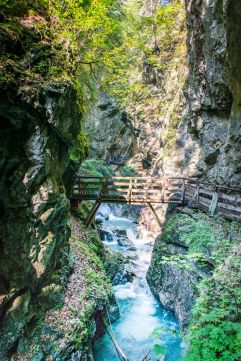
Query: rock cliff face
[[66, 331], [172, 285], [212, 90], [188, 250], [189, 123], [110, 132], [171, 282], [207, 142], [38, 122]]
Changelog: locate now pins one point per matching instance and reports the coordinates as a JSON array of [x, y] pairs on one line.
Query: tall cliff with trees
[[163, 81], [46, 56]]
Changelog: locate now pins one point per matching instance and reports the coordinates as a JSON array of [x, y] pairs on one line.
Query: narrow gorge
[[120, 186]]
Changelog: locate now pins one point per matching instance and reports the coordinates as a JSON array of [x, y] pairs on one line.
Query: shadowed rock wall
[[36, 134]]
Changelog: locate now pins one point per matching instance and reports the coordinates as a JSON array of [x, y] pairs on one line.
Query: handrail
[[193, 180], [204, 195]]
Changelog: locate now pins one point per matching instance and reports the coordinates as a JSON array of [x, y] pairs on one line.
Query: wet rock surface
[[38, 122], [211, 90], [105, 235], [173, 286], [124, 241], [118, 269], [110, 133]]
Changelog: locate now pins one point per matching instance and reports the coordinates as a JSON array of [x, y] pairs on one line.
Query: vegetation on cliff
[[53, 57], [198, 258], [70, 324], [215, 331]]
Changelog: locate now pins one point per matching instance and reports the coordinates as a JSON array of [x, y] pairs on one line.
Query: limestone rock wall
[[109, 130], [213, 113], [35, 137], [191, 125], [207, 141], [191, 247], [173, 285]]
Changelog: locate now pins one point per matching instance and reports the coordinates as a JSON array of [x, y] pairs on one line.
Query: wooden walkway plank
[[146, 190]]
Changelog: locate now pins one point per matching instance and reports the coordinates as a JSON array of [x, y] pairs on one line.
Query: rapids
[[144, 323]]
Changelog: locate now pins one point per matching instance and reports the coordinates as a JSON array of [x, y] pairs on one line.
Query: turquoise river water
[[144, 323]]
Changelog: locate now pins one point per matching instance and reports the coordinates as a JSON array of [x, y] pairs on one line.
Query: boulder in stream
[[130, 255], [118, 269], [105, 235], [120, 232], [124, 241], [132, 249], [99, 219]]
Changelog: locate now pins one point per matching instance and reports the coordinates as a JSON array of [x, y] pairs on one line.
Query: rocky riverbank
[[68, 328], [189, 250]]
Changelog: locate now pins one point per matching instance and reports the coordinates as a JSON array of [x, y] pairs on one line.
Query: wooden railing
[[141, 190], [129, 189]]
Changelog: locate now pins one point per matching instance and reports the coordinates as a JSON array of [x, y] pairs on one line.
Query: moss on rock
[[190, 248]]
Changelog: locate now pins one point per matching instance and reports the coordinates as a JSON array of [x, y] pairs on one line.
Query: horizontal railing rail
[[204, 195]]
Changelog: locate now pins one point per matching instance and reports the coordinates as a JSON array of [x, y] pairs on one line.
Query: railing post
[[197, 196], [163, 190], [106, 185], [130, 191], [183, 192], [100, 192], [214, 202]]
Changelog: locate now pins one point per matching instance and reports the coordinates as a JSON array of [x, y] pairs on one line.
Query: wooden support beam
[[74, 204], [130, 191], [149, 205], [92, 213]]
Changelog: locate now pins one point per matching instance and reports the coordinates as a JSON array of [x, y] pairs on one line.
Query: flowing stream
[[144, 323]]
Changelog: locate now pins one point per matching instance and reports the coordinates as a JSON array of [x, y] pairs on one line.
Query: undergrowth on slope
[[204, 236], [215, 329], [70, 324]]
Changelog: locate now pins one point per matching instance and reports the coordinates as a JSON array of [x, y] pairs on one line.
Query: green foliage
[[21, 7], [203, 235], [84, 210], [157, 335], [97, 290], [95, 168], [99, 286], [159, 350], [80, 150], [158, 332], [215, 332], [128, 171], [81, 329], [91, 255], [70, 39]]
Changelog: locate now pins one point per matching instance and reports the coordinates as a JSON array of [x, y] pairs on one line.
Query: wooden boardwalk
[[150, 190]]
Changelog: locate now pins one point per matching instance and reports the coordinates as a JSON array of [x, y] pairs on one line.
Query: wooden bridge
[[149, 190]]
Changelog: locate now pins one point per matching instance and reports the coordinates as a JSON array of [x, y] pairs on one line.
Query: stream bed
[[144, 325]]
